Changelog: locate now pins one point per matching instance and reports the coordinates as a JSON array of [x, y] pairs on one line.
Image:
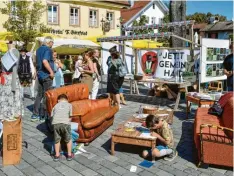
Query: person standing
[[114, 82], [78, 69], [10, 97], [228, 69], [26, 72], [97, 73], [87, 71], [58, 80], [45, 74]]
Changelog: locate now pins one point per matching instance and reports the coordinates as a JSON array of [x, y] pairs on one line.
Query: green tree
[[204, 18], [24, 19], [144, 20]]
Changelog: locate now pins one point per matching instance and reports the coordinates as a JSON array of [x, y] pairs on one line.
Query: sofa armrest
[[213, 135]]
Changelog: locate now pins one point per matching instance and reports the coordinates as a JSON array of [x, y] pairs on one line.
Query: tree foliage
[[142, 22], [24, 19], [204, 18]]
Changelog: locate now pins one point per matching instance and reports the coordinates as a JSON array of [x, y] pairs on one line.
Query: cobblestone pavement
[[36, 160]]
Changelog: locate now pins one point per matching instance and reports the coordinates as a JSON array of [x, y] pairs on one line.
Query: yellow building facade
[[78, 19]]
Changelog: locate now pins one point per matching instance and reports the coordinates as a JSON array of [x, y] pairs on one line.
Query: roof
[[199, 26], [219, 26], [133, 12], [122, 2], [127, 14]]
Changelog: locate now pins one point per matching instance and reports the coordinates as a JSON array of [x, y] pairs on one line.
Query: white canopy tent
[[72, 43]]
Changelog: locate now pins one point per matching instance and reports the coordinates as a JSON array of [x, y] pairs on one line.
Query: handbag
[[122, 70], [216, 109]]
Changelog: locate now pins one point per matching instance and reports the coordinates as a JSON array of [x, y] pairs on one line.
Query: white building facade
[[154, 10]]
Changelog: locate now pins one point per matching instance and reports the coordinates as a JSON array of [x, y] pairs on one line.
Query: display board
[[168, 63], [213, 52]]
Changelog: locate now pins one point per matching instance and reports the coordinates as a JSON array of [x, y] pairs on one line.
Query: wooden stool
[[216, 85]]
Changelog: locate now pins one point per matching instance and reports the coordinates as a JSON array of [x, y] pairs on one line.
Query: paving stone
[[83, 160], [11, 170], [75, 165], [63, 168], [121, 163], [111, 158], [106, 172], [39, 174], [2, 173], [47, 170], [222, 171], [94, 166], [22, 165], [205, 171], [192, 171], [145, 173], [108, 164], [130, 174], [28, 157], [30, 171], [216, 174], [229, 173], [179, 166], [191, 165], [120, 170], [89, 172], [163, 173], [202, 174]]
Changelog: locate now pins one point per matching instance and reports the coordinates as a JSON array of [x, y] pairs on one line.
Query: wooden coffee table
[[198, 101], [133, 138]]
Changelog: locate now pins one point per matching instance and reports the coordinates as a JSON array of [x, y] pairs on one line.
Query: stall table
[[181, 86]]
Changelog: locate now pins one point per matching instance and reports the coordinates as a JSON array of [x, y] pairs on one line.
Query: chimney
[[131, 2]]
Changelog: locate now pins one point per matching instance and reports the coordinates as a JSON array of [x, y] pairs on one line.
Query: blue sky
[[215, 7]]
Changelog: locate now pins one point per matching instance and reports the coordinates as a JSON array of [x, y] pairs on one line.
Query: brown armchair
[[93, 116]]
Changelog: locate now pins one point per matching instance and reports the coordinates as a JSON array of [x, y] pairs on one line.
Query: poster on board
[[166, 63], [213, 52]]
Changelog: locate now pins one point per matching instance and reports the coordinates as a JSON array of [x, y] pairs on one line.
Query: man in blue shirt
[[45, 73], [228, 69]]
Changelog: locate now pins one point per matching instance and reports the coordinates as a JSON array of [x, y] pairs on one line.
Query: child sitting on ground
[[162, 131], [61, 114]]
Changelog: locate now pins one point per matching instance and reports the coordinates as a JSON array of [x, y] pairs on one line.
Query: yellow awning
[[144, 44], [4, 37]]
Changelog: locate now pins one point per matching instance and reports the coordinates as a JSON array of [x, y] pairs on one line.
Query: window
[[93, 18], [153, 6], [110, 18], [53, 14], [160, 21], [153, 20], [74, 16]]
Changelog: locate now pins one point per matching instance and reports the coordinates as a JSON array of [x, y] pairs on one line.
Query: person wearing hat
[[25, 71], [228, 69], [114, 81]]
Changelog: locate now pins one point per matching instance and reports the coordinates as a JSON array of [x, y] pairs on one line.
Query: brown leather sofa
[[213, 136], [93, 116]]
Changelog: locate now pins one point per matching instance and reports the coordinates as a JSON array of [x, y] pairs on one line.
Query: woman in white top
[[78, 67]]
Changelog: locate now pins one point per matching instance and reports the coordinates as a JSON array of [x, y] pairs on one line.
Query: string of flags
[[157, 26], [135, 37]]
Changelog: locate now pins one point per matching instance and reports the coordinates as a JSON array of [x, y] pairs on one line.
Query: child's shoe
[[69, 157], [171, 156], [56, 158]]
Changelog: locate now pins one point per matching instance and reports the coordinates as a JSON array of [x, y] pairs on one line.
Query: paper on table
[[147, 135]]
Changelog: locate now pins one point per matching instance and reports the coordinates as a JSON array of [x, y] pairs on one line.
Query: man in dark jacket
[[228, 69]]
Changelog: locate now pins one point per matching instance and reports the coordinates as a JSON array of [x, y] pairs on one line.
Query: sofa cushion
[[227, 116], [97, 117], [81, 107], [74, 92], [101, 103]]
